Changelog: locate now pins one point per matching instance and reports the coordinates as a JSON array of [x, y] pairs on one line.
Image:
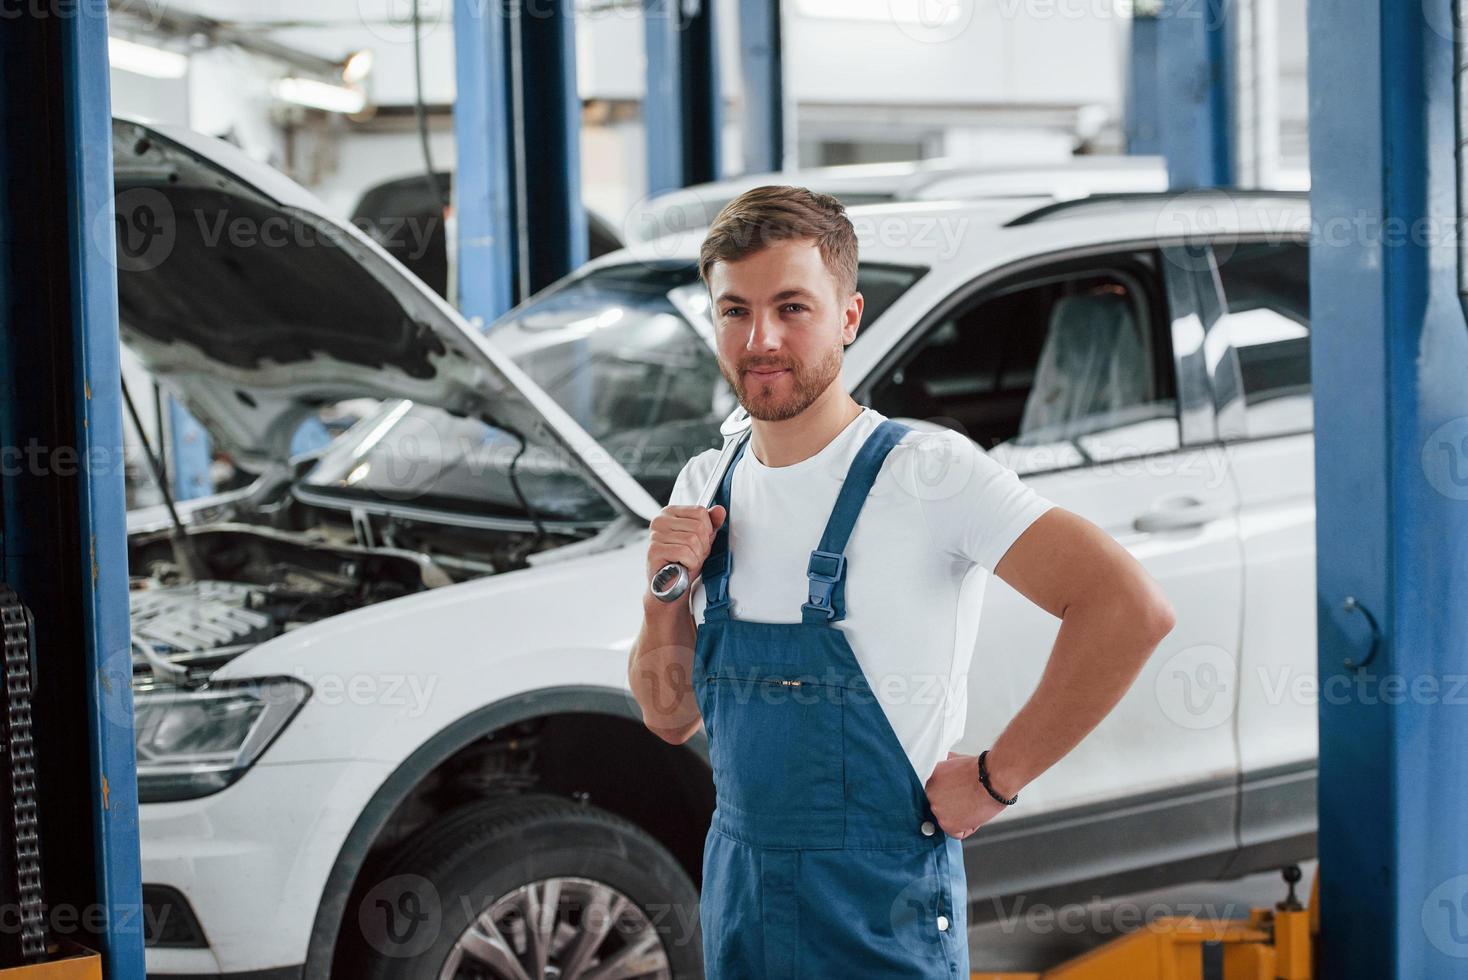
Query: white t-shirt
[[940, 515]]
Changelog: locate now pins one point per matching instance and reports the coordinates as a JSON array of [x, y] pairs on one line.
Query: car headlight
[[192, 743]]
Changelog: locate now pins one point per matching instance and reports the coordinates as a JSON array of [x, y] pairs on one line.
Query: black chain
[[20, 750]]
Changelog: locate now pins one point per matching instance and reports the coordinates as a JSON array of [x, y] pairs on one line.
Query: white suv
[[385, 730]]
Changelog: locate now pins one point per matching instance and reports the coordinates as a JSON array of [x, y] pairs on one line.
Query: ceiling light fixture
[[357, 66], [319, 95], [143, 59]]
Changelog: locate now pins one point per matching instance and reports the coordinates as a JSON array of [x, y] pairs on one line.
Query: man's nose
[[764, 331]]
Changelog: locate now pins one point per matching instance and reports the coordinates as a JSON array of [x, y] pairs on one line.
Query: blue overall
[[823, 858]]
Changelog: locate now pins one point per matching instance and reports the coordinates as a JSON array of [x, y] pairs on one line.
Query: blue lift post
[[188, 450], [483, 182], [1390, 366], [517, 123], [1193, 41], [550, 217], [64, 538], [1143, 109], [683, 110], [762, 124]]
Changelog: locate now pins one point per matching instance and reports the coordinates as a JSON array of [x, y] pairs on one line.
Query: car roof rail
[[1060, 208]]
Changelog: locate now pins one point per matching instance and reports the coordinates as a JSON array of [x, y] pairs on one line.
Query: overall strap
[[720, 562], [827, 567]]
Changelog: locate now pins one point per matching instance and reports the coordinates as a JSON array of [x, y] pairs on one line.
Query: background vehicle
[[401, 677], [692, 208], [1030, 183], [405, 216]]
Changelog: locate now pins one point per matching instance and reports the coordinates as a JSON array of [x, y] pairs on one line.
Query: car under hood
[[256, 308]]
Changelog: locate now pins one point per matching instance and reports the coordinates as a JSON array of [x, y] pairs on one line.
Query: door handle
[[1181, 513]]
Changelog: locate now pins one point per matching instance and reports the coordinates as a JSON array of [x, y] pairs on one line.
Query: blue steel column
[[682, 112], [763, 82], [65, 548], [188, 452], [1143, 107], [101, 515], [550, 217], [483, 177], [1194, 69], [517, 120], [1390, 364]]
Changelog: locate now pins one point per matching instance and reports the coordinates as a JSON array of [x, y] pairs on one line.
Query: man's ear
[[852, 322]]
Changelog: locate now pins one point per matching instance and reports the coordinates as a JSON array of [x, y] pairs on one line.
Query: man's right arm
[[660, 669], [660, 666]]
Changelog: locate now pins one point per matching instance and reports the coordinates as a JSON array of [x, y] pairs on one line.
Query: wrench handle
[[672, 580]]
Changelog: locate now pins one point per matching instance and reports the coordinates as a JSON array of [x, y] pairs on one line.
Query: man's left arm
[[1112, 613]]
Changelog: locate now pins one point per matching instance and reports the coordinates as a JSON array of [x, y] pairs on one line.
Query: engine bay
[[257, 581]]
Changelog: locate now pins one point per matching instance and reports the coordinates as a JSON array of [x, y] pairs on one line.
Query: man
[[834, 596]]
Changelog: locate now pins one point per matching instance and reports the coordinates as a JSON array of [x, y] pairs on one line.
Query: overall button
[[942, 923], [928, 829]]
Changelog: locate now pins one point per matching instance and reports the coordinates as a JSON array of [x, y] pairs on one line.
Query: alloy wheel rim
[[560, 928]]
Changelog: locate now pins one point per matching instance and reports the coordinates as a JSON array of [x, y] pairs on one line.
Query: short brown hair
[[764, 215]]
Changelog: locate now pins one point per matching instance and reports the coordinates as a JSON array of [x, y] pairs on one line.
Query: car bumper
[[251, 861]]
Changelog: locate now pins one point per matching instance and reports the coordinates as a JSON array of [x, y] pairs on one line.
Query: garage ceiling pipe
[[152, 20]]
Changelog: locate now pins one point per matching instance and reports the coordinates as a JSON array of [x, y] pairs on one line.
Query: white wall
[[1003, 76], [1294, 102], [993, 52]]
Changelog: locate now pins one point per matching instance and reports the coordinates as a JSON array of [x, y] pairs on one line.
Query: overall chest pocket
[[776, 744]]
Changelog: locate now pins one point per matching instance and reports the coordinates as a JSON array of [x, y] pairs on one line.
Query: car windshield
[[627, 351]]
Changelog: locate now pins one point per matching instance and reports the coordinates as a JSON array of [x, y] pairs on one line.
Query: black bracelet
[[984, 779]]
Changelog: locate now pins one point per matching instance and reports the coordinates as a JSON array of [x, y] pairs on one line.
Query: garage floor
[[1039, 937]]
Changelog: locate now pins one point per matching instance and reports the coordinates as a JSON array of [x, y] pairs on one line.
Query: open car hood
[[256, 308]]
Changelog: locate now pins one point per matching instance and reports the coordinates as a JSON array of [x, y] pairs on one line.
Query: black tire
[[410, 921]]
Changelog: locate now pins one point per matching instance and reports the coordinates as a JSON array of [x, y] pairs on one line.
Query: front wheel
[[529, 888]]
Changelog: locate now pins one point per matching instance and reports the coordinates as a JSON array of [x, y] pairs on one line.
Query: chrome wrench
[[672, 580]]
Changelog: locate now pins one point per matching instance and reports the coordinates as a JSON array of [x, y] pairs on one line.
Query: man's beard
[[782, 398]]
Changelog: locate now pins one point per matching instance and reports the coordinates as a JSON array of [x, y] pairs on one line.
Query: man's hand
[[958, 799], [660, 664], [683, 533]]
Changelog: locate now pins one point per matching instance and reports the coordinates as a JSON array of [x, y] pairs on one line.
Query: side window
[[880, 286], [1052, 369], [1266, 288]]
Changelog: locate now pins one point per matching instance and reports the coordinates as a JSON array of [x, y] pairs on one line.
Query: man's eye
[[733, 310], [797, 307]]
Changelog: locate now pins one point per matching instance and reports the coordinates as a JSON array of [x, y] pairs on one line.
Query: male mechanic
[[825, 646]]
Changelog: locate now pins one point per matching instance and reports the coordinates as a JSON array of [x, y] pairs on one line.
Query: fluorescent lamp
[[142, 59], [319, 95], [928, 13]]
